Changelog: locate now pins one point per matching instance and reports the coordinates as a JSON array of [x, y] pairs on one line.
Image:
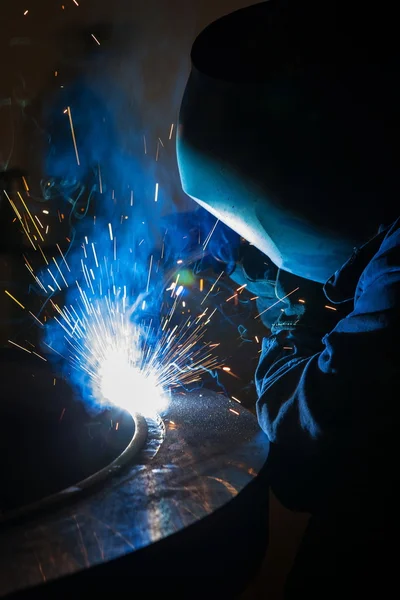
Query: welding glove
[[284, 301], [292, 307], [277, 306], [255, 271], [305, 307]]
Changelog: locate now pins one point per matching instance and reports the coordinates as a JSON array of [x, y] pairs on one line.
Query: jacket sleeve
[[306, 394]]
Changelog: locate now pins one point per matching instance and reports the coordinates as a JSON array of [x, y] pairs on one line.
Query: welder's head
[[288, 128]]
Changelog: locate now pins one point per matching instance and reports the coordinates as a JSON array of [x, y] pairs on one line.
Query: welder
[[289, 135]]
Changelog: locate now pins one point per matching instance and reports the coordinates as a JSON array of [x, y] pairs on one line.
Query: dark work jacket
[[330, 408]]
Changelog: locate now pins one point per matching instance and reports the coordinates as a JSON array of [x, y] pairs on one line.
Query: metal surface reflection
[[206, 456]]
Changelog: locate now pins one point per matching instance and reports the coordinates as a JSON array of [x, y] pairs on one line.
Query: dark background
[[145, 48]]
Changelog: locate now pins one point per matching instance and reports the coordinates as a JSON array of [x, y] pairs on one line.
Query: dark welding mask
[[288, 128]]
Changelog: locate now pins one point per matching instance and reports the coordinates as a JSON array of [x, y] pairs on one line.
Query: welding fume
[[288, 133]]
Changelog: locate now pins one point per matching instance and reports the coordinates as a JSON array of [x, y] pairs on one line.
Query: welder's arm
[[305, 394]]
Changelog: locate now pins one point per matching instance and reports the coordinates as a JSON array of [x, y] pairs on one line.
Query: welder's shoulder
[[384, 268], [390, 246]]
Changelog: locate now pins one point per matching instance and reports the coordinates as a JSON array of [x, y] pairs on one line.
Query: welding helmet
[[288, 128]]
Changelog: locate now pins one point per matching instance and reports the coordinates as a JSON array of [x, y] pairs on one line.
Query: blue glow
[[113, 333]]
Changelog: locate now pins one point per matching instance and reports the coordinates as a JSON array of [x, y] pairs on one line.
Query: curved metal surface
[[212, 450], [51, 446], [134, 446]]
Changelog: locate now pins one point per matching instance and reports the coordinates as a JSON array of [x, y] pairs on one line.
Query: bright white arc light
[[126, 386]]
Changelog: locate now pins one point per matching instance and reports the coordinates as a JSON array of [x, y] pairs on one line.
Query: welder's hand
[[304, 304], [255, 271], [289, 291]]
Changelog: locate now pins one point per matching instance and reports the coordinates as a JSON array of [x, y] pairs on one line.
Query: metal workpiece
[[192, 500], [136, 443]]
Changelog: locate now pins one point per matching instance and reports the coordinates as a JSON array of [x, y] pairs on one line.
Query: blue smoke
[[128, 239]]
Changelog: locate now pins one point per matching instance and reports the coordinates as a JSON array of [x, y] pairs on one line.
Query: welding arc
[[135, 445]]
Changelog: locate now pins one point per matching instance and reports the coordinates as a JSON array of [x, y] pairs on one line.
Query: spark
[[75, 2], [15, 300], [171, 131], [128, 361], [37, 219], [59, 270], [24, 227], [230, 298], [18, 346], [95, 255], [277, 302], [236, 399], [156, 193], [124, 369], [71, 124], [100, 180], [26, 12], [148, 278], [35, 278], [30, 215], [330, 307], [63, 257], [301, 301], [212, 287], [26, 186], [235, 412], [44, 256], [95, 39], [208, 238], [226, 368], [53, 278], [36, 319]]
